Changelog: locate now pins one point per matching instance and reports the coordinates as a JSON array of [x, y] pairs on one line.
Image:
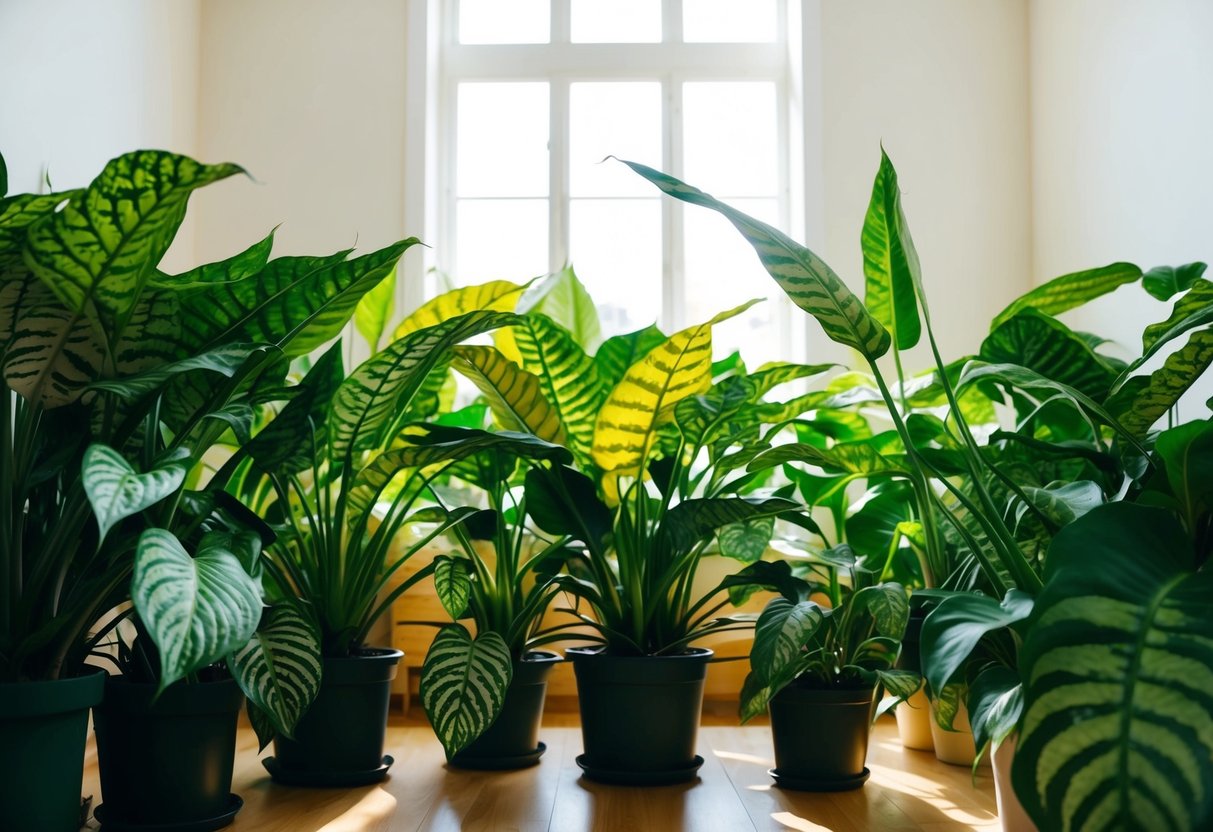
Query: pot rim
[[599, 651], [48, 697]]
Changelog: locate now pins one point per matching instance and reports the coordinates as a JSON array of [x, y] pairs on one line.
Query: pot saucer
[[498, 763], [640, 778], [234, 804], [337, 779], [819, 784]]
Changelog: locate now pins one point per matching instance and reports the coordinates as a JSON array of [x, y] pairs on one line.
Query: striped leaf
[[196, 609], [890, 262], [627, 423], [783, 629], [1049, 347], [1193, 309], [53, 353], [152, 335], [619, 352], [232, 270], [746, 540], [279, 669], [1117, 730], [889, 605], [116, 490], [695, 520], [366, 405], [846, 457], [808, 281], [496, 295], [1143, 400], [463, 684], [224, 360], [563, 299], [452, 584], [1071, 290], [290, 442], [514, 395], [375, 310], [568, 378]]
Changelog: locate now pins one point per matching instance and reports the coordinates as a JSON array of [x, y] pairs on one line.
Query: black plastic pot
[[639, 714], [167, 761], [512, 741], [910, 657], [339, 741], [821, 737], [43, 727]]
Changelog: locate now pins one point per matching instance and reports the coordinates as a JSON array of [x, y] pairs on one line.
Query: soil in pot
[[167, 761], [512, 741], [639, 714], [820, 737], [339, 741], [43, 728]]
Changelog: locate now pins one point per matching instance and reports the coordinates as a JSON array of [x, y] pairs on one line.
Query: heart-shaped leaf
[[116, 490], [279, 669], [463, 684]]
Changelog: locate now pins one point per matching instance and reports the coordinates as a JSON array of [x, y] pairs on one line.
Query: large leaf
[[496, 295], [695, 520], [1193, 309], [1143, 400], [1117, 731], [515, 395], [995, 704], [783, 630], [279, 669], [619, 352], [746, 540], [808, 281], [1062, 503], [1187, 454], [292, 440], [54, 353], [562, 298], [1071, 290], [890, 262], [116, 490], [463, 684], [375, 310], [1164, 282], [848, 457], [563, 501], [887, 603], [224, 360], [953, 628], [232, 270], [627, 424], [1047, 346], [196, 609]]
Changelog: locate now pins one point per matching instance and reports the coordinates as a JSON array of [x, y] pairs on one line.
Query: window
[[531, 96]]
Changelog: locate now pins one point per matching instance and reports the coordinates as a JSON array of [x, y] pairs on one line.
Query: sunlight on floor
[[375, 805], [745, 758], [924, 788], [798, 823]]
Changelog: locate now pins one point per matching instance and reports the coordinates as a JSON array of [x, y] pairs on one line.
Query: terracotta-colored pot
[[1010, 810]]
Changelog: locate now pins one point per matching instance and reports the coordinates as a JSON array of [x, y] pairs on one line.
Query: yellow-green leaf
[[514, 394]]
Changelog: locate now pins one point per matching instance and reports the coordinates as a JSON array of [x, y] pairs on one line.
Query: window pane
[[500, 239], [729, 137], [502, 145], [727, 21], [616, 249], [621, 119], [722, 271], [616, 21], [504, 21]]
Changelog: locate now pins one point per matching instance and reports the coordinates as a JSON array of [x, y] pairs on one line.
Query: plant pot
[[512, 741], [339, 741], [167, 761], [914, 715], [820, 737], [639, 715], [43, 728], [1010, 811], [955, 747]]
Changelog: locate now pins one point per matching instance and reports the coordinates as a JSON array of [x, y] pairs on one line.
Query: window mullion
[[673, 304], [558, 173]]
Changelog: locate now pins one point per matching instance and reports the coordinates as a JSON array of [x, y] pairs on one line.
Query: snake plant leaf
[[515, 396], [463, 684], [196, 609], [224, 360], [1070, 290], [808, 281], [619, 352], [1143, 400], [890, 262], [995, 704], [493, 296], [694, 520], [279, 668], [627, 423], [291, 441], [568, 377], [952, 630], [1117, 729], [116, 490], [782, 631], [746, 540], [452, 584], [375, 310], [563, 299], [231, 270], [1050, 348], [846, 457], [367, 403], [1165, 282]]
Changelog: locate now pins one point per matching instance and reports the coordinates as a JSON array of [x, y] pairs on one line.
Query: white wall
[[85, 81], [943, 83]]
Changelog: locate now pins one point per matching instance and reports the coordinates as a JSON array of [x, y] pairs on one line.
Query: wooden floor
[[909, 790]]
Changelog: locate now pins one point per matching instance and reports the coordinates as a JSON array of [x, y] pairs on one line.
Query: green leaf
[[262, 726], [849, 457], [953, 628], [295, 437], [1071, 290], [890, 262], [747, 540], [1117, 729], [453, 584], [463, 684], [116, 490], [902, 684], [888, 604], [232, 270], [1143, 400], [1193, 309], [1047, 346], [225, 360], [563, 501], [279, 669], [995, 704], [515, 396], [695, 520], [782, 632], [1187, 454], [1164, 282], [376, 308], [3, 177], [563, 299], [196, 609], [620, 352], [808, 281], [53, 353]]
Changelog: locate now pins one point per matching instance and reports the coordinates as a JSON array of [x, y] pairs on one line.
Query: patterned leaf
[[224, 360], [1117, 731], [375, 310], [452, 584], [463, 684], [1047, 346], [1143, 400], [562, 298], [849, 457], [746, 541], [196, 609], [808, 281], [890, 262], [279, 669], [619, 352], [232, 270], [783, 630], [889, 605], [53, 353], [116, 490], [1193, 309], [1071, 290], [496, 295], [515, 395], [695, 520]]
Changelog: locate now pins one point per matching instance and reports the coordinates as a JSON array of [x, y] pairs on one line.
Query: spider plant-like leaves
[[463, 684]]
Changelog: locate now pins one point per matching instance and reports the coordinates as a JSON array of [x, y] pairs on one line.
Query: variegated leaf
[[515, 395], [280, 667], [452, 584], [116, 490], [463, 684], [890, 262]]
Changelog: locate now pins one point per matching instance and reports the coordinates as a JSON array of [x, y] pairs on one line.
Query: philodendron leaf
[[1071, 290], [952, 630], [1164, 282], [890, 262], [995, 704], [1117, 729], [375, 310], [463, 684], [279, 668], [196, 609], [902, 684], [1187, 454], [808, 281], [116, 490], [1062, 503], [452, 584], [783, 630], [889, 605], [515, 395]]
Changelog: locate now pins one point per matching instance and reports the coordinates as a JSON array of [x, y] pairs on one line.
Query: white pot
[[1010, 810], [955, 747], [914, 722]]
